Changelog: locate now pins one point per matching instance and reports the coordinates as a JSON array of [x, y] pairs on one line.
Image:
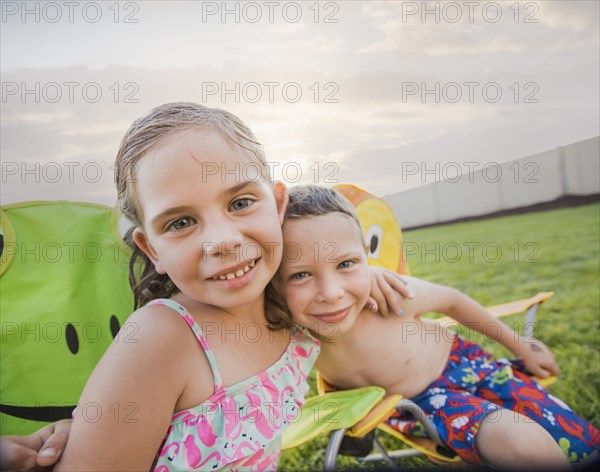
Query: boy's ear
[[282, 199], [141, 241], [367, 247]]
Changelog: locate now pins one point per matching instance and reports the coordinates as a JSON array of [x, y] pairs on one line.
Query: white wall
[[567, 170], [582, 169], [414, 206]]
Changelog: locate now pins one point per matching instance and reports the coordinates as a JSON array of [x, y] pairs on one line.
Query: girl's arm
[[127, 404], [431, 297]]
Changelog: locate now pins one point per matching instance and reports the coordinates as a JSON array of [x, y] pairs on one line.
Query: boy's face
[[324, 272]]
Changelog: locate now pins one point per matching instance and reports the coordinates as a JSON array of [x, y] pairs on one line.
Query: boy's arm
[[431, 297]]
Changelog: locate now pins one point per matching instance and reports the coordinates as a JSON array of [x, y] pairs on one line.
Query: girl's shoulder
[[150, 329], [156, 319], [163, 327], [166, 332]]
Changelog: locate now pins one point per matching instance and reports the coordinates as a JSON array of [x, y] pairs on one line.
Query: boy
[[326, 286]]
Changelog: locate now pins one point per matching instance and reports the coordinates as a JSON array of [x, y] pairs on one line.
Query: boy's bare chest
[[400, 356]]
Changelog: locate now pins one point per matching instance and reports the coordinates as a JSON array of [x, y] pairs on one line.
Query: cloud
[[461, 28], [360, 113], [322, 44], [562, 16]]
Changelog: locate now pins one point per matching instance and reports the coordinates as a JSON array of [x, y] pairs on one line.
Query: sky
[[337, 92]]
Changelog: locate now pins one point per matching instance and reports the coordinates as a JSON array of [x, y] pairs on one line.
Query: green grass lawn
[[509, 258]]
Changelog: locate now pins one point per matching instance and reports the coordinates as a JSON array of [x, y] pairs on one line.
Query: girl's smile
[[210, 232]]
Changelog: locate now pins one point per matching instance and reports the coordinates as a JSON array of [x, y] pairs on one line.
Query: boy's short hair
[[306, 201], [312, 200]]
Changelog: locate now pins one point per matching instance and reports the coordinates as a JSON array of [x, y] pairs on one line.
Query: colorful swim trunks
[[473, 386]]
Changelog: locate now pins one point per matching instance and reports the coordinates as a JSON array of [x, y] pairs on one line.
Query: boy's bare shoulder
[[429, 297]]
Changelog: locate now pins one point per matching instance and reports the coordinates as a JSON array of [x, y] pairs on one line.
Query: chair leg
[[384, 454], [403, 405], [430, 429], [332, 449], [399, 454], [413, 409], [530, 320]]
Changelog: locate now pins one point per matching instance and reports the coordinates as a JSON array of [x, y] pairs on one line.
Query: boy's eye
[[180, 224], [299, 276], [241, 204], [345, 265]]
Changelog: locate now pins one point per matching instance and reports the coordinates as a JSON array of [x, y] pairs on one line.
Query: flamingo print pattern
[[239, 427]]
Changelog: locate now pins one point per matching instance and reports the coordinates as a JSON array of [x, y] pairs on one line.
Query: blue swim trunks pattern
[[473, 385]]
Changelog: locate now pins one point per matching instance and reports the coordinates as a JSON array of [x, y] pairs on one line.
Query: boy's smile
[[324, 272], [334, 316]]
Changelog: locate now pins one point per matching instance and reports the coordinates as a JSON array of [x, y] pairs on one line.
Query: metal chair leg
[[384, 454], [413, 409], [399, 454], [332, 449], [403, 405], [530, 320]]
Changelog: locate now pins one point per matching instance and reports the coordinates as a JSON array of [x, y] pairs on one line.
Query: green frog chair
[[64, 295]]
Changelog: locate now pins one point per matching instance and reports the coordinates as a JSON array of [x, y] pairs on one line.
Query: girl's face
[[209, 221], [324, 272]]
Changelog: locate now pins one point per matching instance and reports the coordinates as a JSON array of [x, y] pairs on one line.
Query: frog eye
[[373, 240], [72, 338], [114, 326]]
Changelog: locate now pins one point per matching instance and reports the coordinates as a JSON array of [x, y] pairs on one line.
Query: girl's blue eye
[[180, 224], [345, 265], [241, 204]]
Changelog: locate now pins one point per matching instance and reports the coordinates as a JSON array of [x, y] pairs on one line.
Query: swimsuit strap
[[185, 314]]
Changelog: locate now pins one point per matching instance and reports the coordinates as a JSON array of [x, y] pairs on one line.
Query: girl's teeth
[[238, 273]]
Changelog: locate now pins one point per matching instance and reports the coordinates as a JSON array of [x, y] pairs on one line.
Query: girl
[[207, 222]]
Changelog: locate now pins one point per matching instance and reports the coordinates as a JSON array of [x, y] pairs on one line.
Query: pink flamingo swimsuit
[[239, 427]]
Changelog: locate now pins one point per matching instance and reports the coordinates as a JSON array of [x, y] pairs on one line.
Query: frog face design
[[65, 296], [380, 228]]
